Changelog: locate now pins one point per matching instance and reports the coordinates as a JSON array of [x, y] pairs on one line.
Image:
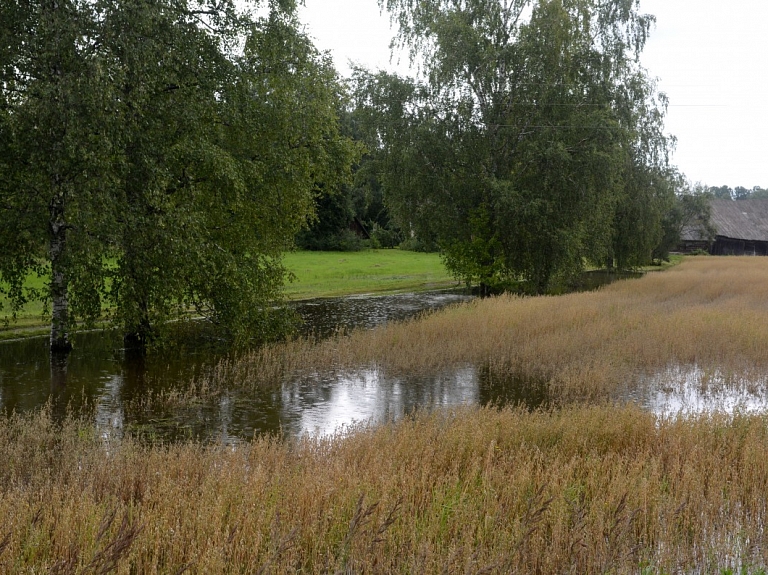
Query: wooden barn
[[741, 228]]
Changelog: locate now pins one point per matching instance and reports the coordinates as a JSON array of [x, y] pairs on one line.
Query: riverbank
[[316, 275]]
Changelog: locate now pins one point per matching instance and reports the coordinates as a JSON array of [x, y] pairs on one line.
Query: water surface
[[101, 373], [115, 383]]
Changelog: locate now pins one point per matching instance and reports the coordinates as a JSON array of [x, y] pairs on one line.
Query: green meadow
[[314, 274], [32, 319], [331, 274]]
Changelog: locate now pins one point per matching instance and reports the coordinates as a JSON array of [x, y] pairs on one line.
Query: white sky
[[711, 58]]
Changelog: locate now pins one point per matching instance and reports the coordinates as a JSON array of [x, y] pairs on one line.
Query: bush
[[418, 245], [384, 237], [344, 241]]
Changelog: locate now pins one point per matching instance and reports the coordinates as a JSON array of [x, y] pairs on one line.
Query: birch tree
[[157, 158], [531, 126]]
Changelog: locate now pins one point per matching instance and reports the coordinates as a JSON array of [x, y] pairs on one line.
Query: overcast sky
[[711, 58]]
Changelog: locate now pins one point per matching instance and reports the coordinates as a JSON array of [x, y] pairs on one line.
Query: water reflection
[[512, 389], [327, 403], [115, 382], [59, 363], [96, 371], [683, 390], [323, 317], [322, 404]]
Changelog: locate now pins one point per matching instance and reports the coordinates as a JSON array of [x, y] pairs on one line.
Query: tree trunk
[[59, 295], [138, 327], [57, 225]]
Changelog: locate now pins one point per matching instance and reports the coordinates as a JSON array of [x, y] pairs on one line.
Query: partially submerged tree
[[56, 156], [159, 156], [535, 126]]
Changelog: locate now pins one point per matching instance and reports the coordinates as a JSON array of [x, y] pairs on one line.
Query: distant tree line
[[737, 193]]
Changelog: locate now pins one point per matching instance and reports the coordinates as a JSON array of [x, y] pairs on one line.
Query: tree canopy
[[157, 156], [534, 142]]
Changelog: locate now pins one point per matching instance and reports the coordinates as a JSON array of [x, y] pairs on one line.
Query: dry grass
[[711, 312], [583, 490], [586, 489]]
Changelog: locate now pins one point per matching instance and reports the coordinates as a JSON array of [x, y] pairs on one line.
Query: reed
[[476, 490], [587, 488], [709, 312]]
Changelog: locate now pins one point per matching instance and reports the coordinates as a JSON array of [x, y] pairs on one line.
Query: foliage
[[361, 202], [56, 155], [184, 141], [737, 193], [330, 230], [534, 141], [366, 193], [690, 210]]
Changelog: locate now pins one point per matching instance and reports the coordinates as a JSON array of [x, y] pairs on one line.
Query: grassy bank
[[329, 274], [584, 490], [317, 274]]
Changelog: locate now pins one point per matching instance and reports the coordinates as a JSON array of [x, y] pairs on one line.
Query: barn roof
[[741, 219]]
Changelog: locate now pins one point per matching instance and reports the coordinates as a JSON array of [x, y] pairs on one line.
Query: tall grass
[[712, 312], [582, 490]]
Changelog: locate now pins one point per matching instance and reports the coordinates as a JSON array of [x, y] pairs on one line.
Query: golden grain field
[[710, 312], [581, 490]]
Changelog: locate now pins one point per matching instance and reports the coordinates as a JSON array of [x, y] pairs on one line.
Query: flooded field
[[690, 390], [543, 352], [648, 457], [115, 382]]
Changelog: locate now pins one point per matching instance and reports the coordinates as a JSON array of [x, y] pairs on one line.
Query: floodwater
[[684, 390], [101, 374], [113, 382]]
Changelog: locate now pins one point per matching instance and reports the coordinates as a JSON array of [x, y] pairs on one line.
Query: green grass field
[[317, 274], [328, 274], [31, 320]]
